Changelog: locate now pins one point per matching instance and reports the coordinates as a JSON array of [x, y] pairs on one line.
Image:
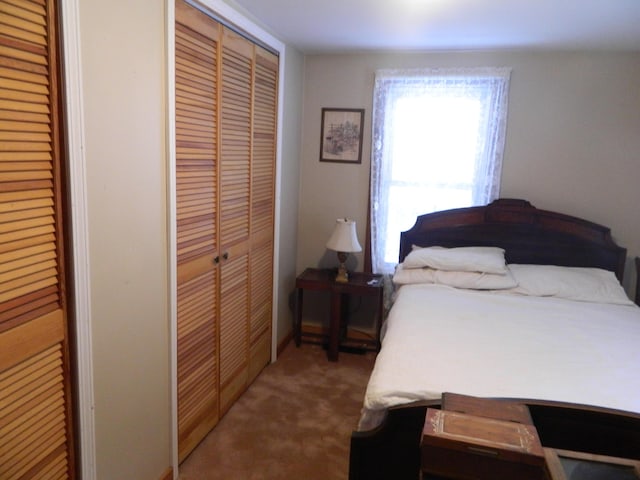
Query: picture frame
[[341, 135]]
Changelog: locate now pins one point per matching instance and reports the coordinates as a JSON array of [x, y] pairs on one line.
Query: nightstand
[[359, 284]]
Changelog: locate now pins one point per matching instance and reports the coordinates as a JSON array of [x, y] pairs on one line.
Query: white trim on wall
[[171, 226], [77, 186], [276, 217], [229, 14]]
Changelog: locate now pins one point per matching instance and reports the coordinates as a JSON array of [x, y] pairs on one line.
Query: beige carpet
[[294, 422]]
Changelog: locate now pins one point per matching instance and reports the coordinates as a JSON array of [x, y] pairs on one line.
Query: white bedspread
[[440, 339]]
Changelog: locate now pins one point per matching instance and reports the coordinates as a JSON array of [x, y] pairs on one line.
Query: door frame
[[229, 15], [82, 361]]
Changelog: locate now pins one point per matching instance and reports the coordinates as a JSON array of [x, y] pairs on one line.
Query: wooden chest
[[487, 407], [467, 447]]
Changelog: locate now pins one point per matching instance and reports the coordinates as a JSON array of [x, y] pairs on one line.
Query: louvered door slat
[[236, 227], [196, 212], [261, 302], [15, 313], [37, 6], [234, 318], [235, 138], [48, 441], [35, 440], [19, 15], [27, 256], [30, 432], [197, 365], [28, 266], [201, 142], [262, 207], [261, 275], [26, 159], [27, 11], [32, 399], [56, 469], [36, 399], [25, 77], [26, 237]]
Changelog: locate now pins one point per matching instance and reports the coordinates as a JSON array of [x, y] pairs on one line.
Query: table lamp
[[344, 240]]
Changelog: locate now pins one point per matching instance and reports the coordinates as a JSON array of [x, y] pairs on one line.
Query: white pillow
[[470, 280], [459, 259], [574, 283]]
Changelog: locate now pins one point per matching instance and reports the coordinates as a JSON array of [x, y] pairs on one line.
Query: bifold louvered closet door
[[225, 167], [35, 421]]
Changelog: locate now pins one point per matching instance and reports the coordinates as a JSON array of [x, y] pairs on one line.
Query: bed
[[583, 392]]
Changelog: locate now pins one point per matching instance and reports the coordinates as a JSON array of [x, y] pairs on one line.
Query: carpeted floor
[[294, 422]]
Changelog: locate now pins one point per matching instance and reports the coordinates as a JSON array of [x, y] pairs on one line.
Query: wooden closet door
[[35, 386], [197, 229], [226, 89], [234, 200], [262, 207]]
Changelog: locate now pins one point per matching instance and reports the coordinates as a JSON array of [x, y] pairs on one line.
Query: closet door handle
[[225, 256], [216, 260]]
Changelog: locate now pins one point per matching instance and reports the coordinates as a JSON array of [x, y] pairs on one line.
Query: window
[[438, 138]]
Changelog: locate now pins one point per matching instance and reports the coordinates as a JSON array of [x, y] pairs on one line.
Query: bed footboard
[[392, 450]]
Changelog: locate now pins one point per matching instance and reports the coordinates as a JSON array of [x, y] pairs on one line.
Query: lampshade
[[344, 237]]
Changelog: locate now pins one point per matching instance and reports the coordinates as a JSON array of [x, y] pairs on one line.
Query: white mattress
[[441, 339]]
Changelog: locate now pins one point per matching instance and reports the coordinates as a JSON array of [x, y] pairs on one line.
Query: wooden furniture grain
[[36, 389], [226, 107], [460, 446], [363, 284], [528, 235], [491, 444], [482, 407]]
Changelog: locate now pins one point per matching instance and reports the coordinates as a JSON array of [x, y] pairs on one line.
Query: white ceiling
[[315, 26]]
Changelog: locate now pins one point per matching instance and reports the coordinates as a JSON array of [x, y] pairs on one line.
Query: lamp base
[[343, 275]]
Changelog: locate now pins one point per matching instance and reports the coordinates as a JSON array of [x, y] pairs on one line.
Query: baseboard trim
[[283, 344]]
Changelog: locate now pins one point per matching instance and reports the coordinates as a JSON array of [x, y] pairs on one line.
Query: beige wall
[[572, 138], [289, 177], [123, 67], [123, 59]]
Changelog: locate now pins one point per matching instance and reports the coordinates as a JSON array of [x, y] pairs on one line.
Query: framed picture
[[341, 135]]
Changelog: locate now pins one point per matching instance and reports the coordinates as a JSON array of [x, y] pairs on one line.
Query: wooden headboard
[[528, 235]]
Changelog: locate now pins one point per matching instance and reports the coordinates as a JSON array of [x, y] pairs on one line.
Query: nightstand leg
[[344, 317], [297, 322], [334, 327]]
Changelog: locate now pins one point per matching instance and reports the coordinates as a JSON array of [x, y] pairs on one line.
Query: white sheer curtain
[[438, 139]]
